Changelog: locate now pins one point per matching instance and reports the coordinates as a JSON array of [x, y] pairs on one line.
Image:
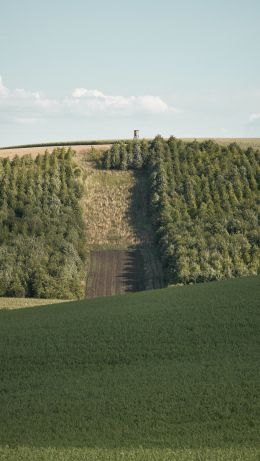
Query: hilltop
[[84, 147]]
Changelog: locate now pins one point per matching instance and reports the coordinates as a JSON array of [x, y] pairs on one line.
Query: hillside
[[204, 205], [113, 206], [167, 374], [157, 212]]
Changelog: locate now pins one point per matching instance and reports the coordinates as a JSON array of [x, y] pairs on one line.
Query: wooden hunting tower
[[136, 134]]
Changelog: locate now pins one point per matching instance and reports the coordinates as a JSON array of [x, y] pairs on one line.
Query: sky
[[78, 70]]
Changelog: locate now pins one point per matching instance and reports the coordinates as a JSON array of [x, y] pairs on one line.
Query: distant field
[[16, 303], [164, 375], [242, 142], [83, 147], [34, 151]]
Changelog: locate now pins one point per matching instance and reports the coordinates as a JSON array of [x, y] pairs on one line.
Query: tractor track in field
[[115, 272]]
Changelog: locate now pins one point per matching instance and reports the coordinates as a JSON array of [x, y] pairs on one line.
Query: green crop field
[[165, 375]]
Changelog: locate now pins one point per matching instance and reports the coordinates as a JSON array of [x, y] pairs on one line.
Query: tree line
[[41, 227], [204, 203]]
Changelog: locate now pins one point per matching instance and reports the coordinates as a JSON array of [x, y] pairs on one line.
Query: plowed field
[[114, 272]]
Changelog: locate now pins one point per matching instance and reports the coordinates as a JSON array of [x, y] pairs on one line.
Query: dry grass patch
[[17, 303], [106, 208], [34, 151]]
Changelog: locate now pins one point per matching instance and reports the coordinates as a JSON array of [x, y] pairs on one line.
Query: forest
[[204, 205], [41, 228]]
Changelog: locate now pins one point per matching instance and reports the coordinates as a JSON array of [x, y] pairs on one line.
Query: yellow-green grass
[[82, 150], [17, 303], [244, 143], [106, 207], [115, 211], [114, 207], [164, 375]]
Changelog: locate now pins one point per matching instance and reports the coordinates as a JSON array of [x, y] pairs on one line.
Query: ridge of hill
[[83, 147], [165, 374]]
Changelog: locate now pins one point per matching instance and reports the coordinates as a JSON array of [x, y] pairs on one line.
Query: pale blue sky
[[187, 68]]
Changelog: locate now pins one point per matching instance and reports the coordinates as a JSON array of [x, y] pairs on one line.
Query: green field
[[165, 375]]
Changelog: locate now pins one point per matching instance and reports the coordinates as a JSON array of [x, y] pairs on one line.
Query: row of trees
[[130, 155], [41, 227], [204, 205]]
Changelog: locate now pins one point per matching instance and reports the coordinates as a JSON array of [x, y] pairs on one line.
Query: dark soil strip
[[114, 272]]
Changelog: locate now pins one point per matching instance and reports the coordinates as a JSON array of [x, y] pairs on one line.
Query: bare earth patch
[[115, 272]]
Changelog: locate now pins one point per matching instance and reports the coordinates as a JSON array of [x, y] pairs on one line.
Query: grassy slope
[[106, 204], [164, 375], [114, 207]]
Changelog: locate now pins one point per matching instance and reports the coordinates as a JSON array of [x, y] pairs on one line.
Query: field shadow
[[132, 276], [138, 213], [139, 216], [115, 272]]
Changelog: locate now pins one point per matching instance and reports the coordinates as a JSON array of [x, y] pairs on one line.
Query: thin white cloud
[[153, 104], [254, 117], [25, 120], [84, 93], [96, 100], [27, 106], [24, 107], [3, 89]]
